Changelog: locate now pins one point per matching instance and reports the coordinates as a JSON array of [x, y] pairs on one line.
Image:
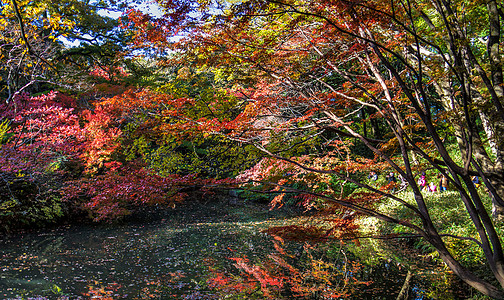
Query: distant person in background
[[391, 180], [443, 183], [373, 176], [422, 181], [432, 187], [391, 177]]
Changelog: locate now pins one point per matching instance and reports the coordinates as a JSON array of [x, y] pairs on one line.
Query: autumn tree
[[421, 74], [47, 44], [41, 142]]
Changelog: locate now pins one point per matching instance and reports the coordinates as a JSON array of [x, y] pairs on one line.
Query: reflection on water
[[164, 259]]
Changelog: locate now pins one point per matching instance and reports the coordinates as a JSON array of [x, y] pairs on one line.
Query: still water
[[166, 258]]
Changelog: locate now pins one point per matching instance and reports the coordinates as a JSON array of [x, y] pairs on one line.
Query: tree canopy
[[299, 98]]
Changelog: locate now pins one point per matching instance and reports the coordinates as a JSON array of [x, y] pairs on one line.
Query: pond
[[166, 258]]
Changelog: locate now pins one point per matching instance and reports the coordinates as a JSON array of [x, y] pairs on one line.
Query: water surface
[[166, 258]]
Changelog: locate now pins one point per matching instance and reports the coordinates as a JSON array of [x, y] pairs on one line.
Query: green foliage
[[449, 216], [27, 207], [4, 131], [345, 188], [163, 132], [58, 43], [211, 156]]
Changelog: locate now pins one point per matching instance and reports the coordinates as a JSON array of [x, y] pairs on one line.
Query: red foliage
[[101, 137], [121, 188], [109, 73], [46, 133], [43, 129], [48, 128], [126, 187]]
